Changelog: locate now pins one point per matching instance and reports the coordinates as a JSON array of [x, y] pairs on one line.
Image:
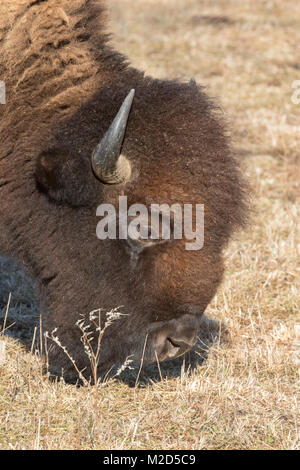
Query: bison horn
[[109, 165]]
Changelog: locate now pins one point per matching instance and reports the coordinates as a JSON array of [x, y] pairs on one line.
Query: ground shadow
[[211, 332], [211, 20], [19, 300]]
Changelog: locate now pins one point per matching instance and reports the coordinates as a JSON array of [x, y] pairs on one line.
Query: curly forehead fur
[[64, 85]]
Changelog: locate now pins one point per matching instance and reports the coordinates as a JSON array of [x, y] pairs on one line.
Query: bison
[[82, 127]]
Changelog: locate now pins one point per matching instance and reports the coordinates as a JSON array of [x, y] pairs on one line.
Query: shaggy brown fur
[[64, 86]]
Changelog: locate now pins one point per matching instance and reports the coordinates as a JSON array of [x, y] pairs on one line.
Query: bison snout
[[173, 338]]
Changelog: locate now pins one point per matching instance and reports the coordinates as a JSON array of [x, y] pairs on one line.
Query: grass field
[[244, 394]]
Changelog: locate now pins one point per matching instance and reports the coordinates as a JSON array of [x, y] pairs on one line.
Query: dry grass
[[244, 395]]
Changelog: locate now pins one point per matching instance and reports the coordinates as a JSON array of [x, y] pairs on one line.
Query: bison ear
[[65, 177]]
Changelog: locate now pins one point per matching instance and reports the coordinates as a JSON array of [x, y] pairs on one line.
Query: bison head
[[166, 146], [70, 143]]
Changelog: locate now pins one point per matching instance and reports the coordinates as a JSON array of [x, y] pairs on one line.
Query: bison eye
[[141, 237], [143, 231], [138, 245]]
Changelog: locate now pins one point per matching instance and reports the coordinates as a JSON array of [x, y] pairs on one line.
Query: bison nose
[[174, 338], [175, 347]]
